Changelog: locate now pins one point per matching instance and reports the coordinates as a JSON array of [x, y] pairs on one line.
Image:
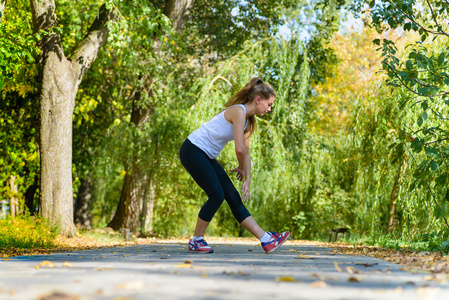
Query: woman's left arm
[[246, 186]]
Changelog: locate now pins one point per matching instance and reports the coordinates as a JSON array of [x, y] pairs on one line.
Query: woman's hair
[[255, 87]]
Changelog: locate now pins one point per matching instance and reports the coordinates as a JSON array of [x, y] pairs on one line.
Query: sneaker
[[277, 239], [200, 246]]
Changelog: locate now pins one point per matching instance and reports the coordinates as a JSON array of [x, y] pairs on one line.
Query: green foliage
[[17, 46], [419, 71], [26, 232], [18, 100]]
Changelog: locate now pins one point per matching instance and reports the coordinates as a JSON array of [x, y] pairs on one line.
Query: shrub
[[26, 232]]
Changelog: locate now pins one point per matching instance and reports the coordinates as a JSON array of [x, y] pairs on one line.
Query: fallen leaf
[[104, 269], [304, 256], [131, 285], [45, 263], [337, 267], [284, 278], [243, 273], [59, 296], [67, 264], [354, 279], [318, 284], [185, 265], [188, 261], [204, 275]]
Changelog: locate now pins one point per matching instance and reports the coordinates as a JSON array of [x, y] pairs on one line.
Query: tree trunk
[[59, 79], [402, 167], [13, 200], [83, 213], [147, 228], [29, 198], [2, 8], [136, 180], [133, 202]]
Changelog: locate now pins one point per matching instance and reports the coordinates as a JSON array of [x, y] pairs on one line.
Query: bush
[[26, 232]]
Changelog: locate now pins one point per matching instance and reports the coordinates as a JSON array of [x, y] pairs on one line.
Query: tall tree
[[138, 184], [59, 79]]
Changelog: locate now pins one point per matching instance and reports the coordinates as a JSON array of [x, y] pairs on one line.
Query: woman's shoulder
[[234, 112]]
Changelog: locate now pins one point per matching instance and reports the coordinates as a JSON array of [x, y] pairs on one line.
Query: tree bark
[[138, 182], [83, 213], [147, 228], [402, 167], [29, 198], [13, 200], [2, 8], [59, 79]]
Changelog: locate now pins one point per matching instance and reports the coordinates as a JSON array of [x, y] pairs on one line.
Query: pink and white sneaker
[[200, 246], [276, 240]]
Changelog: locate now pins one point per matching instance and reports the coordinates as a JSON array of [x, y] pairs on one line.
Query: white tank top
[[212, 136]]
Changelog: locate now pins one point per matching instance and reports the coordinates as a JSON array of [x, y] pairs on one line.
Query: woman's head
[[254, 90]]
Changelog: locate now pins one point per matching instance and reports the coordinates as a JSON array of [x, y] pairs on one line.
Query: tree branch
[[411, 90], [43, 13], [87, 50], [435, 18], [437, 141], [416, 23], [178, 11]]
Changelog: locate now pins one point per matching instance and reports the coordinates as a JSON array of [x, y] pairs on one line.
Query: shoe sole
[[274, 249], [201, 252]]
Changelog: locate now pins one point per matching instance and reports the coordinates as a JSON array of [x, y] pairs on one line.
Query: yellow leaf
[[104, 269], [204, 275], [318, 284], [184, 266], [67, 264], [337, 267], [45, 263], [284, 278]]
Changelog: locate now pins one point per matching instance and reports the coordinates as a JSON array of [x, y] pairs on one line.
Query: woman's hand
[[246, 194], [240, 174]]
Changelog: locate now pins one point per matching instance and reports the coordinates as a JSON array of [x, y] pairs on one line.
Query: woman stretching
[[198, 152]]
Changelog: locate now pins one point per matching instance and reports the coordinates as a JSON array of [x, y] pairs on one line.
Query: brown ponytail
[[255, 87]]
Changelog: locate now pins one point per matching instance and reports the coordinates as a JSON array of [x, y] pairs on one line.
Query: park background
[[96, 99]]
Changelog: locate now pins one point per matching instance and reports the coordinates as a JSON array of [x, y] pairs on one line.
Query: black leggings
[[212, 178]]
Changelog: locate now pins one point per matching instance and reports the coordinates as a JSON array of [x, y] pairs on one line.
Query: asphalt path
[[237, 270]]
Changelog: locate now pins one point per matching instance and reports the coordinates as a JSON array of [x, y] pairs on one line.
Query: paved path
[[235, 271]]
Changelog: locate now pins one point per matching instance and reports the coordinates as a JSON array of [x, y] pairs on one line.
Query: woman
[[237, 122]]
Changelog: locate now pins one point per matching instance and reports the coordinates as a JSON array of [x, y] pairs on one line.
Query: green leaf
[[424, 115], [407, 26], [441, 58], [441, 179], [420, 121], [376, 41], [408, 64], [423, 37], [434, 165]]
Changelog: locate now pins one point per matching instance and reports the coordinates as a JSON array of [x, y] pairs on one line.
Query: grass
[[26, 232]]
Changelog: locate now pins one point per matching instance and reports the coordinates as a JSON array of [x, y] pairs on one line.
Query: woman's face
[[264, 105]]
